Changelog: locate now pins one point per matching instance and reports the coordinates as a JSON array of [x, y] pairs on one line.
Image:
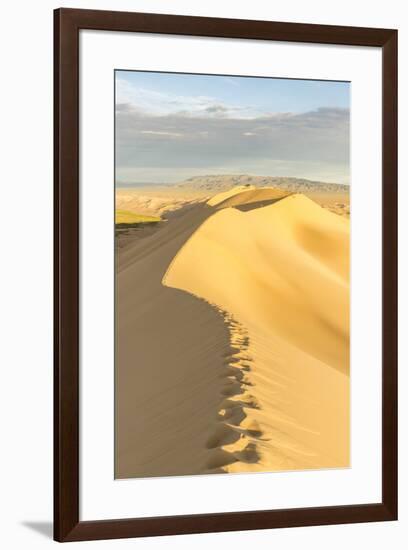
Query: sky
[[170, 127]]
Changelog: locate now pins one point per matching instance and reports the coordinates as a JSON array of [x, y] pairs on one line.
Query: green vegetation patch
[[125, 218]]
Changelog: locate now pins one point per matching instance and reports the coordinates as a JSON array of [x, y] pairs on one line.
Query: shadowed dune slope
[[282, 274], [169, 363]]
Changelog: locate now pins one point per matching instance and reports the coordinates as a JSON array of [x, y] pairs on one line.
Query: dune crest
[[224, 195], [281, 272], [247, 195]]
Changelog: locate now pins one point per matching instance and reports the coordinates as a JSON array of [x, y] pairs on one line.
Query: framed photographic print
[[225, 274]]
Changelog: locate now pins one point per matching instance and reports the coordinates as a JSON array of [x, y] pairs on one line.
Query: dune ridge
[[247, 195]]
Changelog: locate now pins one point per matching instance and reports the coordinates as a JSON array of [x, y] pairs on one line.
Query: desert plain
[[232, 327]]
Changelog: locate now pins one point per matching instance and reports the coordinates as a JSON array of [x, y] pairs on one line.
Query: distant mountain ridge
[[294, 185]]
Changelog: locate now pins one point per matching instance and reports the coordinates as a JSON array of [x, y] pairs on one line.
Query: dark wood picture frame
[[67, 24]]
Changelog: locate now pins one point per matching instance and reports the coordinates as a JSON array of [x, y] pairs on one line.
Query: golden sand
[[233, 339]]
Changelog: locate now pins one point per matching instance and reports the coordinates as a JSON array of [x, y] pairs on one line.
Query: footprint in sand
[[234, 425]]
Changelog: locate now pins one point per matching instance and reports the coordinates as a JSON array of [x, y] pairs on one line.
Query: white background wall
[[26, 270]]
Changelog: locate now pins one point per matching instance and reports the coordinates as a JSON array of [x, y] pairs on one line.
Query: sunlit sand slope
[[282, 274]]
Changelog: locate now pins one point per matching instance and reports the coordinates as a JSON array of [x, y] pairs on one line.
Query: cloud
[[216, 109], [211, 137], [160, 133], [153, 103]]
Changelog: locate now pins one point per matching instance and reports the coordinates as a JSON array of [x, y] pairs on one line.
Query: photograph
[[232, 274]]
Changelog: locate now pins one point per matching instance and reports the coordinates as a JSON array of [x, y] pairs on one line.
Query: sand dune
[[232, 339], [282, 273], [246, 195], [155, 201]]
